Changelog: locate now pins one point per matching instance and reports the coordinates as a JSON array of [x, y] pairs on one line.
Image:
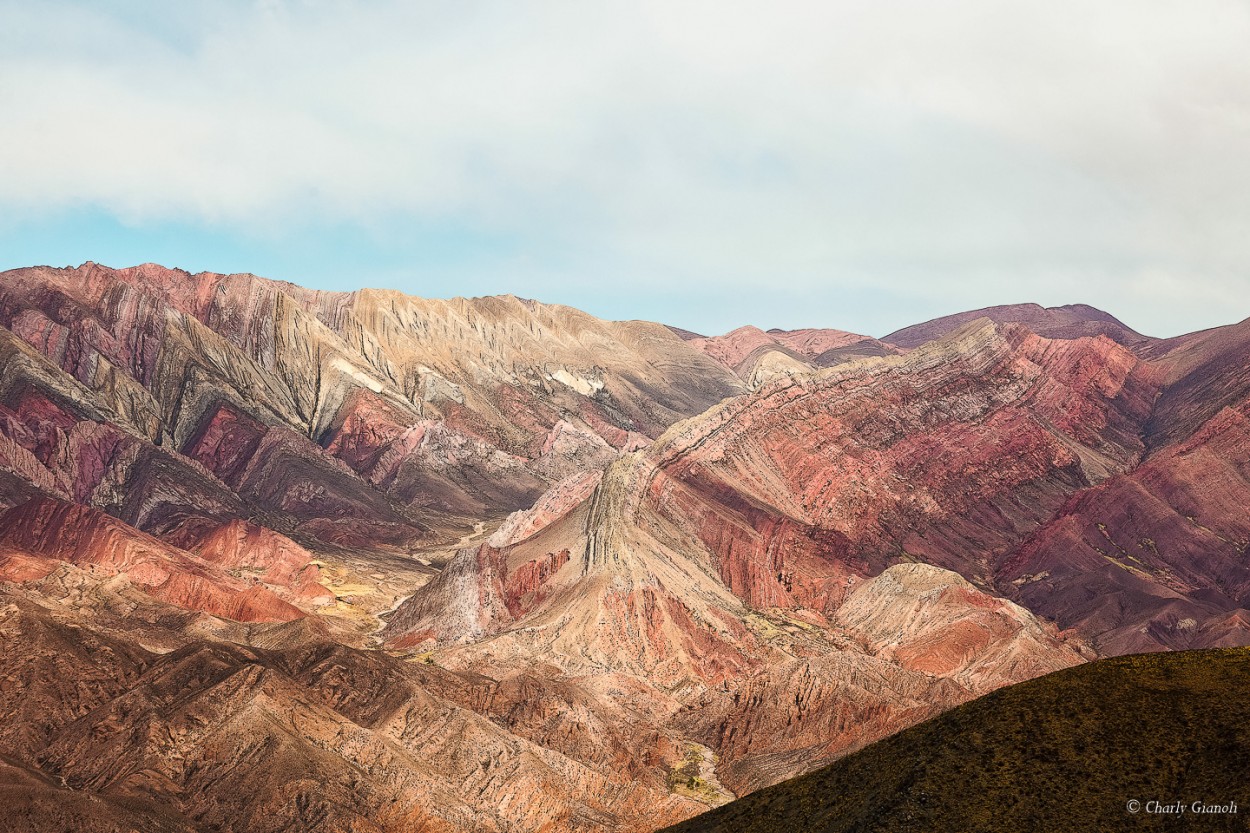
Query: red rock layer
[[48, 530], [951, 455], [274, 558], [1157, 557]]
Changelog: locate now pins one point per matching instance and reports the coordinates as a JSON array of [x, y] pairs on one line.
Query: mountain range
[[274, 559]]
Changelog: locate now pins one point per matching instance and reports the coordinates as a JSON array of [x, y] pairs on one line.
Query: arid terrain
[[275, 559]]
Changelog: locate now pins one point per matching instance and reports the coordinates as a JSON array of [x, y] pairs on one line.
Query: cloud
[[848, 161]]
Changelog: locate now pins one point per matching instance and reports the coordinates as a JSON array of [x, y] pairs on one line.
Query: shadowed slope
[[1064, 752]]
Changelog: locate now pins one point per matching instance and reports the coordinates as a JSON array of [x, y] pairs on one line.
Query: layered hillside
[[788, 502], [950, 455], [364, 426], [1019, 462], [42, 534], [1088, 748], [354, 417], [281, 729], [291, 560]]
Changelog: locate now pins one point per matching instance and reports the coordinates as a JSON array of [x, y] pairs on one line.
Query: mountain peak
[[1068, 321]]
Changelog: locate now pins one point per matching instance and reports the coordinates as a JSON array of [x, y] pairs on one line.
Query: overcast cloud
[[855, 164]]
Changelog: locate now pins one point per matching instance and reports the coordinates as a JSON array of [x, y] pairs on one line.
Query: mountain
[[952, 455], [364, 426], [793, 500], [495, 397], [276, 559], [1168, 536], [1069, 751], [1071, 321], [1019, 462], [1016, 461]]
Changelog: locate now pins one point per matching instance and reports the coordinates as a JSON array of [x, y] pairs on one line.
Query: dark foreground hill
[[1068, 751]]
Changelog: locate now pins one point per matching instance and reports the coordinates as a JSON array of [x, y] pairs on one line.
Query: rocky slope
[[42, 533], [213, 735], [34, 803]]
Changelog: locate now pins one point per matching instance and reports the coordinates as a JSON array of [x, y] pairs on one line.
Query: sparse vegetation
[[687, 777], [1063, 752], [426, 658]]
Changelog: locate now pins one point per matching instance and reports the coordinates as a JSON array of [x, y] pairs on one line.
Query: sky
[[859, 165]]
